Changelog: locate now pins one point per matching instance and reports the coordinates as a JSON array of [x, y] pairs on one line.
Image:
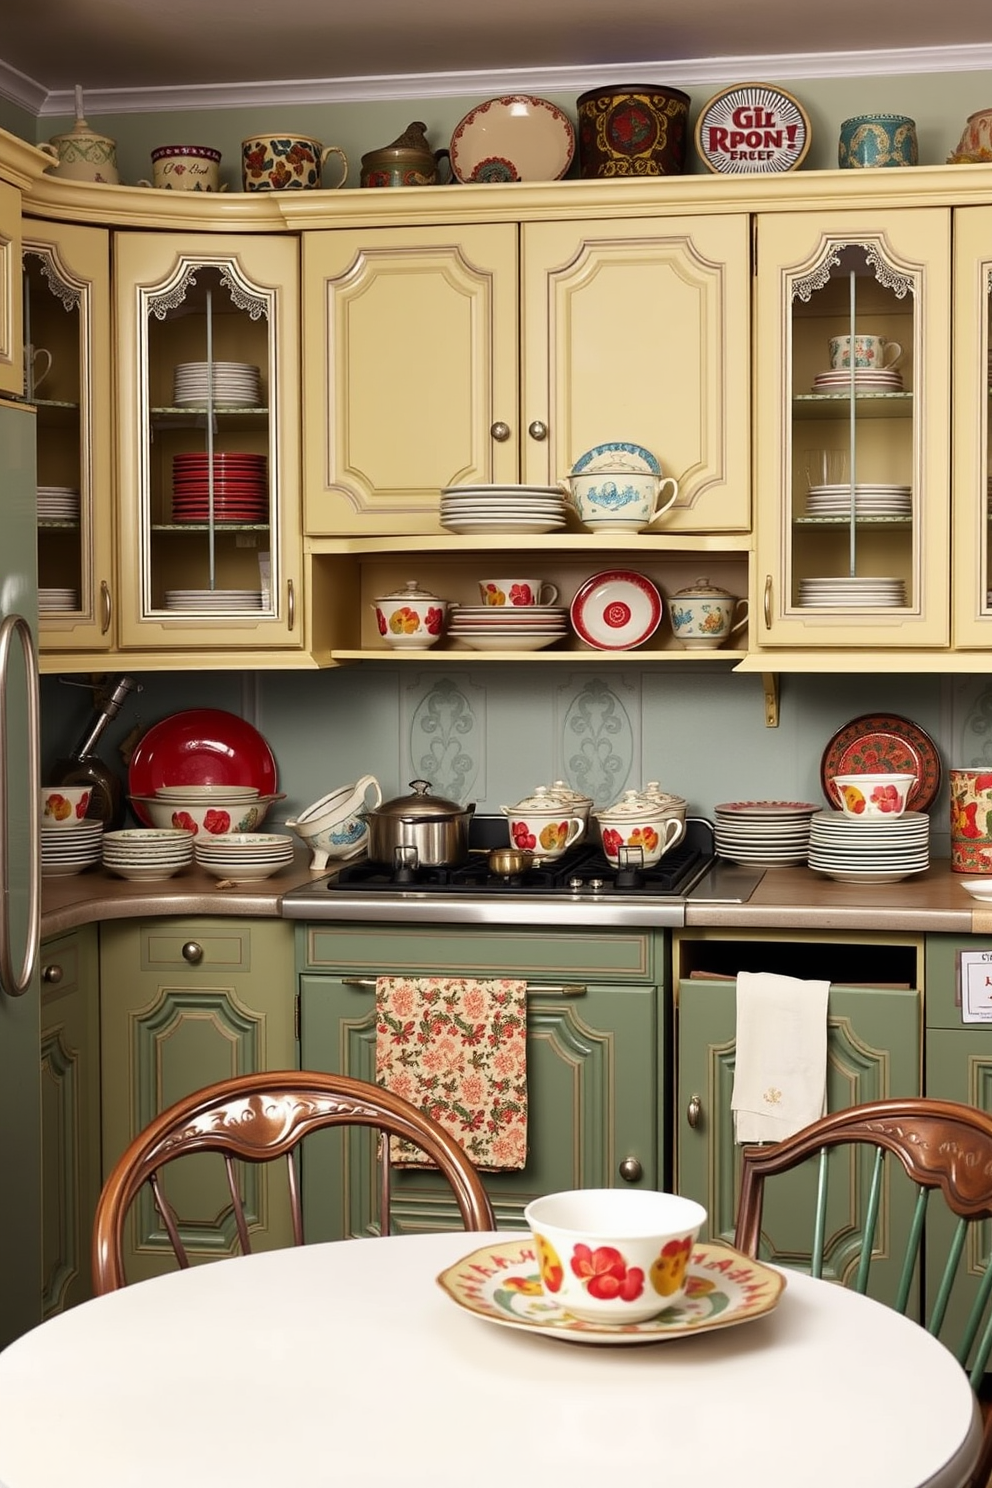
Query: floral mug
[[281, 162]]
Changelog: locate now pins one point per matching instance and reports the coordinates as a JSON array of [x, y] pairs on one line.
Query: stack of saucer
[[852, 592], [853, 850], [70, 849], [772, 832], [244, 857], [147, 853], [213, 600], [51, 600], [870, 500], [235, 384], [866, 380], [58, 504], [471, 509], [507, 627]]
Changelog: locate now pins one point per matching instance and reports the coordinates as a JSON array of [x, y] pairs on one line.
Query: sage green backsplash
[[939, 102]]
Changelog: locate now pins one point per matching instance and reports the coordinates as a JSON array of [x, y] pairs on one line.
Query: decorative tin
[[752, 129], [639, 130]]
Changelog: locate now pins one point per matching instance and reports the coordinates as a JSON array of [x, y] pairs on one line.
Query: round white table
[[346, 1365]]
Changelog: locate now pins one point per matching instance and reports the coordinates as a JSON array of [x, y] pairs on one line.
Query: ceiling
[[138, 44]]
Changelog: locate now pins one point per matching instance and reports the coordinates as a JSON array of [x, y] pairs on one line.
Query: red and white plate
[[616, 610]]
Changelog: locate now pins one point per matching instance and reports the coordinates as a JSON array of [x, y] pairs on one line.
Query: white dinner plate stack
[[770, 832], [66, 850], [235, 384], [866, 380], [478, 508], [147, 854], [870, 500], [244, 857], [878, 851], [52, 601], [213, 600], [507, 628], [852, 592], [58, 504]]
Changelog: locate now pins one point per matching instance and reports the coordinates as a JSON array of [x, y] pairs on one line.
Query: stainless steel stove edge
[[406, 906]]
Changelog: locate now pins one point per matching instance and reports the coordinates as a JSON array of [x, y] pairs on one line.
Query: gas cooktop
[[580, 888]]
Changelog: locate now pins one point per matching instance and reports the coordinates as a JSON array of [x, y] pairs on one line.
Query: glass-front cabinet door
[[853, 396], [67, 375], [973, 427], [209, 492]]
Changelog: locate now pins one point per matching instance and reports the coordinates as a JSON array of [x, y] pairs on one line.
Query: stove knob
[[596, 884], [575, 884]]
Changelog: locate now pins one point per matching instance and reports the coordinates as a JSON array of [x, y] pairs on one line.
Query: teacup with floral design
[[614, 1255], [517, 593], [546, 834], [640, 824], [872, 797]]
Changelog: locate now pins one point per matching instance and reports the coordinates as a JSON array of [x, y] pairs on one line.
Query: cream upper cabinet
[[210, 534], [852, 522], [972, 430], [66, 280], [638, 330], [11, 339], [501, 352]]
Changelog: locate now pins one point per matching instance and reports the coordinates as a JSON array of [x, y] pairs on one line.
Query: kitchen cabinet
[[210, 583], [972, 567], [501, 352], [66, 272], [874, 1039], [185, 1002], [875, 574], [595, 1047], [70, 1114], [11, 304]]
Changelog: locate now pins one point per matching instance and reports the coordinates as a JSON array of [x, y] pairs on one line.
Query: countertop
[[786, 898]]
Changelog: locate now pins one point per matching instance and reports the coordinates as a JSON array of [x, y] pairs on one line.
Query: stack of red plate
[[240, 487]]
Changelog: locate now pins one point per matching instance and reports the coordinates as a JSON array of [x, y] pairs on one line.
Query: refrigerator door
[[20, 1052]]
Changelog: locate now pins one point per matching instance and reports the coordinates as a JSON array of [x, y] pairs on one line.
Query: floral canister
[[704, 616], [639, 823], [544, 826], [412, 618], [971, 821]]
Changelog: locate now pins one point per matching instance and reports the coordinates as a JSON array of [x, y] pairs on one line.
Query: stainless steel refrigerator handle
[[534, 989], [17, 984]]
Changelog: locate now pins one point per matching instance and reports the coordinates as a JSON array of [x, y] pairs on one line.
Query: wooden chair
[[941, 1145], [258, 1119]]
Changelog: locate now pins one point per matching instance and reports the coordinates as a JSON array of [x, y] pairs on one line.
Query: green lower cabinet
[[185, 1003], [594, 1050], [873, 1051], [70, 1114]]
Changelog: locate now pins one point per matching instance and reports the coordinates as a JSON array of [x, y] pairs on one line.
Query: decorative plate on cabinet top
[[515, 138], [884, 741]]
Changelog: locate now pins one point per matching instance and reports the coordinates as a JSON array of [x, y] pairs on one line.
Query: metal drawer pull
[[192, 952], [52, 974], [538, 989], [694, 1111]]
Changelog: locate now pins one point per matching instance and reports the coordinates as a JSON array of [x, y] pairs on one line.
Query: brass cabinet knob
[[693, 1111], [192, 952], [630, 1170], [52, 974], [537, 430], [500, 432]]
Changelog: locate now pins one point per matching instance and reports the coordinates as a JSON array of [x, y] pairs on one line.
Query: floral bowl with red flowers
[[871, 797], [614, 1255], [208, 811]]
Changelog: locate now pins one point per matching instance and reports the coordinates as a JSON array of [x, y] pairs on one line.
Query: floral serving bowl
[[335, 827], [411, 619], [214, 816], [872, 797], [614, 1255]]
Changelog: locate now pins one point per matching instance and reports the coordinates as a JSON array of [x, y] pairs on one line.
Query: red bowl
[[203, 746]]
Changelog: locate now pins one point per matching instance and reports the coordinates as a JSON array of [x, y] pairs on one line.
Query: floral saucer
[[516, 138], [501, 1284]]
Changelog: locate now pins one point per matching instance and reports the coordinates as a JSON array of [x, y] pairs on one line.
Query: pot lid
[[421, 805], [702, 589], [562, 791], [631, 804], [543, 802], [653, 792], [410, 590]]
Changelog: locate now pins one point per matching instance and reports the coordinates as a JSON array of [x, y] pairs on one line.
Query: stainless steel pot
[[419, 830]]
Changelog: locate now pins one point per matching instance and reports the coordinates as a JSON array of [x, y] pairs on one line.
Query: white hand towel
[[780, 1070]]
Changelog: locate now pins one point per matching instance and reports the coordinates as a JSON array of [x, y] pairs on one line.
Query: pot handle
[[440, 155]]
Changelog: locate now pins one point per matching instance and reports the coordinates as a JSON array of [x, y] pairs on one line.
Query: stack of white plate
[[866, 380], [213, 599], [879, 851], [506, 628], [58, 503], [770, 832], [58, 599], [66, 850], [870, 500], [471, 509], [851, 591], [147, 853], [235, 384], [243, 857]]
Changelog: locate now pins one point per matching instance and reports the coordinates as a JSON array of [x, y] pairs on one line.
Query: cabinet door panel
[[593, 1100], [638, 329], [972, 573], [410, 356], [873, 1051], [11, 328]]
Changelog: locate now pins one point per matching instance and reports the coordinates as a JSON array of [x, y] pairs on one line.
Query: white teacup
[[517, 593], [869, 352], [620, 500]]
